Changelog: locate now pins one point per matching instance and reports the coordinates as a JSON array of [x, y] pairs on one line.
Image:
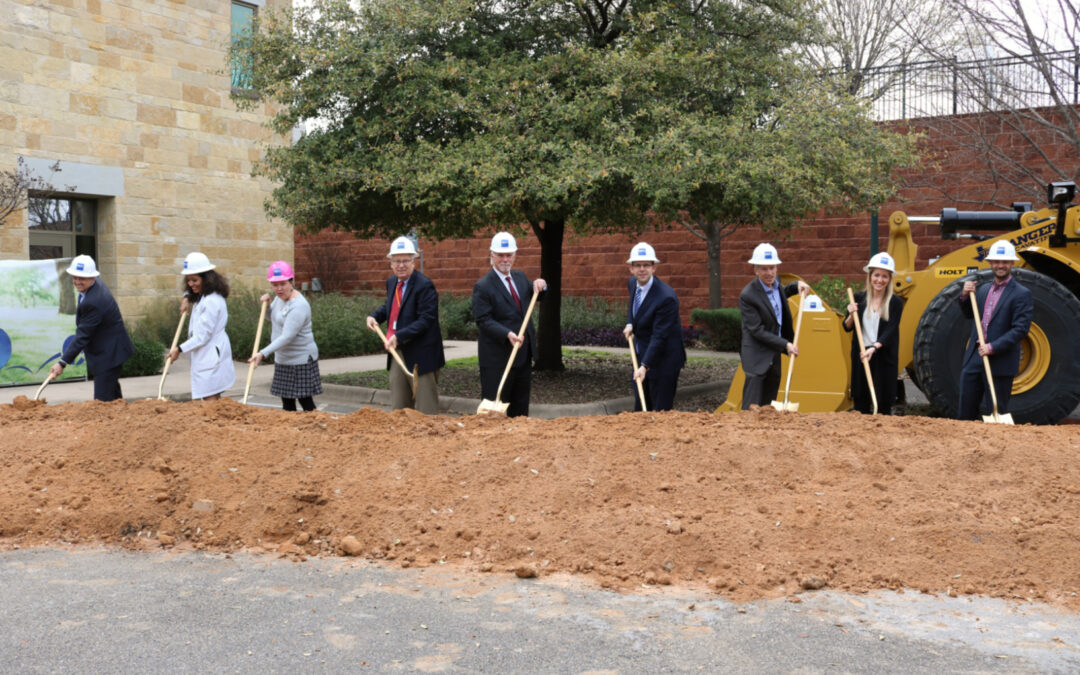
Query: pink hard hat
[[279, 271]]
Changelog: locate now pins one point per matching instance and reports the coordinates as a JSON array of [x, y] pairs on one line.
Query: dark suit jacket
[[657, 331], [418, 333], [760, 342], [888, 335], [497, 314], [1008, 326], [99, 331]]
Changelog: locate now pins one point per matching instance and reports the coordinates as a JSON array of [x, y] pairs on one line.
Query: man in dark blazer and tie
[[653, 319], [1005, 308], [766, 327], [500, 299], [412, 313], [99, 331]]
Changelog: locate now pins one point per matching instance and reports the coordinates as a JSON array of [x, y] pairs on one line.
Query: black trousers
[[107, 384], [974, 394], [659, 392], [762, 389], [515, 391]]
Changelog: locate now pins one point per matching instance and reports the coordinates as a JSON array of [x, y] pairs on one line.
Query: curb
[[343, 394]]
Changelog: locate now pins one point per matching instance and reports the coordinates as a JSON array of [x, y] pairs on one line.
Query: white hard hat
[[764, 254], [1002, 250], [196, 263], [503, 242], [642, 252], [881, 261], [83, 266], [402, 246], [813, 303]]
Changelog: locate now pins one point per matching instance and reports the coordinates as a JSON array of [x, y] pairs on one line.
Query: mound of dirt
[[751, 505]]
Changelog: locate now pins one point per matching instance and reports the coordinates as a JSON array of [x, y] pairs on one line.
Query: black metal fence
[[934, 88]]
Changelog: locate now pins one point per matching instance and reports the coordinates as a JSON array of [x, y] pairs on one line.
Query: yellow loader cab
[[934, 333]]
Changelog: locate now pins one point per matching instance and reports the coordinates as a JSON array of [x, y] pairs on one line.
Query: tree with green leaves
[[459, 116]]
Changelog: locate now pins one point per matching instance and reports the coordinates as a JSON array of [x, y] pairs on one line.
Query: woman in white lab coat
[[205, 290]]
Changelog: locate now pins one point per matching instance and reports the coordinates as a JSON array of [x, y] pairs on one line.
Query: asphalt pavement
[[93, 610]]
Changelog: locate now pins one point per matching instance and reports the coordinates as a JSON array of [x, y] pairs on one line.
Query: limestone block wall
[[142, 85]]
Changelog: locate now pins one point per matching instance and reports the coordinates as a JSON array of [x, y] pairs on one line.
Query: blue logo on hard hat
[[1001, 250], [505, 243], [401, 244], [768, 255], [79, 266], [813, 304], [277, 271], [185, 264], [641, 251]]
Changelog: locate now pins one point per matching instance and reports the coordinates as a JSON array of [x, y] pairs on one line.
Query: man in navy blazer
[[499, 301], [766, 327], [652, 317], [1005, 308], [99, 331], [412, 310]]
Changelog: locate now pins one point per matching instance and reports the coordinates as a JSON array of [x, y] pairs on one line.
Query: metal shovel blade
[[998, 418], [487, 407], [786, 406]]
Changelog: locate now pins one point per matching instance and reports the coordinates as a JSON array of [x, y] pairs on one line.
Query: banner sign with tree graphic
[[37, 318]]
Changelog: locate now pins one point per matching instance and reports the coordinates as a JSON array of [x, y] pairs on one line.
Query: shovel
[[999, 418], [497, 406], [810, 303], [165, 371], [38, 392], [413, 376], [866, 364], [255, 349], [633, 359]]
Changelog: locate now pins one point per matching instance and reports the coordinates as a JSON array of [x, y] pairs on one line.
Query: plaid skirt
[[299, 381]]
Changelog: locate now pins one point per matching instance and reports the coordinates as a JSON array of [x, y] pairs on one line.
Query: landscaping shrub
[[456, 317], [721, 328], [148, 358], [338, 323], [581, 312], [833, 290]]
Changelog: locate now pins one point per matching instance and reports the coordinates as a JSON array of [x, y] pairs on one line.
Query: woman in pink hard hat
[[205, 290], [296, 360]]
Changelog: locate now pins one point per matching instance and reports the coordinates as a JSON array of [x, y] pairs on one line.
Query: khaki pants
[[427, 391]]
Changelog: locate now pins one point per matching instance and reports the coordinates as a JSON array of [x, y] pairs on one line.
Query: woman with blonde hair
[[879, 312]]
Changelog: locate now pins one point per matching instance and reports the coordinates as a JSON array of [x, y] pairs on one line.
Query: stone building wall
[[137, 92]]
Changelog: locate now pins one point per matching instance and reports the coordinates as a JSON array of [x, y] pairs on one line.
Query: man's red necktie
[[513, 292], [394, 309]]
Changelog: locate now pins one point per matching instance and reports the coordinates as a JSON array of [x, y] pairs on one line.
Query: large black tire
[[1048, 387]]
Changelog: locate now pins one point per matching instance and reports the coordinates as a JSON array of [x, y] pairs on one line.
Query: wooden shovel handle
[[255, 349], [514, 351], [986, 359], [397, 357], [168, 361], [633, 360], [866, 364]]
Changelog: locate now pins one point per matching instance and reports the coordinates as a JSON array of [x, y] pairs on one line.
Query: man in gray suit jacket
[[766, 327]]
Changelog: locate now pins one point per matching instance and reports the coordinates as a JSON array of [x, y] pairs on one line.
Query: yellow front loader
[[934, 333]]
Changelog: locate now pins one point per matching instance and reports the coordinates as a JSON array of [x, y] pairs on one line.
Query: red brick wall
[[835, 245]]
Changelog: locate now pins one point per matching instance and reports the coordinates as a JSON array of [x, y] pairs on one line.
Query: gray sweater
[[291, 336]]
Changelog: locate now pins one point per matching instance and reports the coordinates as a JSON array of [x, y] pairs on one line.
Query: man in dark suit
[[1005, 308], [652, 317], [412, 310], [99, 331], [499, 302], [766, 327]]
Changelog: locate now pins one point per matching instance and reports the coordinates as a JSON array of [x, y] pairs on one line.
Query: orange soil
[[751, 505]]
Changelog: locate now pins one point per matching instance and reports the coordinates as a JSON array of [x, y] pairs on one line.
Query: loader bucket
[[822, 380]]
